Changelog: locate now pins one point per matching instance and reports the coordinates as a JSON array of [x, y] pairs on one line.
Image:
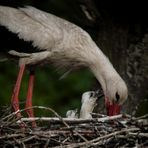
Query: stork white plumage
[[65, 45]]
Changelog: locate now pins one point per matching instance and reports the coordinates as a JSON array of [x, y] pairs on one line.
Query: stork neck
[[102, 68]]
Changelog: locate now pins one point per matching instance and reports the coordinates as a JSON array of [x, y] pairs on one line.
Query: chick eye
[[117, 97], [91, 94]]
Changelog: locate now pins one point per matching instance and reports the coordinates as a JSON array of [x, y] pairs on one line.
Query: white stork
[[73, 114], [88, 101], [64, 44]]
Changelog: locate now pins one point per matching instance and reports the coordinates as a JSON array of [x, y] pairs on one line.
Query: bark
[[125, 42]]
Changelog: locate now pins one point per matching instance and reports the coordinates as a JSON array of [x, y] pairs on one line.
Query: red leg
[[28, 106], [14, 99]]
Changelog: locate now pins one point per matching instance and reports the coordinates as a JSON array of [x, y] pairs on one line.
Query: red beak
[[112, 108]]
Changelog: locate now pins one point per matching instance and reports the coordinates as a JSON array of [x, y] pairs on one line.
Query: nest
[[100, 131]]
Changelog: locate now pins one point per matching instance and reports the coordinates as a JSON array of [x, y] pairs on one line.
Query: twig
[[12, 114], [98, 115], [71, 120], [28, 138], [142, 117], [95, 141], [12, 136], [139, 134]]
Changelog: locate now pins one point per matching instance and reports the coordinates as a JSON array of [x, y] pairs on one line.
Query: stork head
[[115, 94]]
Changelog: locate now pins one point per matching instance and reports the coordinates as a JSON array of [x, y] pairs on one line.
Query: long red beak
[[112, 108]]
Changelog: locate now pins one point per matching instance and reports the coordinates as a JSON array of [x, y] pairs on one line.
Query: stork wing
[[33, 25]]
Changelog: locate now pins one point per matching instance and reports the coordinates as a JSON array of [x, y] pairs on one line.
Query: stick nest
[[100, 131]]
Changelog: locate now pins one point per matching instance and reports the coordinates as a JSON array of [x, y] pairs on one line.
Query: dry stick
[[97, 114], [47, 143], [138, 134], [56, 132], [65, 140], [18, 141], [115, 133], [96, 140], [14, 120], [142, 117], [28, 138], [12, 114], [23, 145], [9, 117], [70, 120], [46, 137], [12, 136]]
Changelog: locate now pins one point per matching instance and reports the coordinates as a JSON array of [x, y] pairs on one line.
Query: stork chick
[[88, 103], [72, 114]]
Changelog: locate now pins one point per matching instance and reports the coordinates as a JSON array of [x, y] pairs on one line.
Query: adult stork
[[64, 44]]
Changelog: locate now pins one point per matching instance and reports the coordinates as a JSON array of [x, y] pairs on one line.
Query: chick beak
[[112, 108], [99, 94]]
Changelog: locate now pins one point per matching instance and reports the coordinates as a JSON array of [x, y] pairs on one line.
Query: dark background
[[119, 28]]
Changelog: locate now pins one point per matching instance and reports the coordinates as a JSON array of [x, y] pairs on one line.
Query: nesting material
[[99, 131]]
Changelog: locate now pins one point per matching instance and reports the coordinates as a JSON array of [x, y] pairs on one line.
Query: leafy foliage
[[49, 90]]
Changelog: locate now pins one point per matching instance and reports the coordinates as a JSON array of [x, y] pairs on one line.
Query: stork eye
[[117, 97]]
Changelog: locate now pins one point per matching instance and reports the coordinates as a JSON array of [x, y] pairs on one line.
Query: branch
[[69, 120]]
